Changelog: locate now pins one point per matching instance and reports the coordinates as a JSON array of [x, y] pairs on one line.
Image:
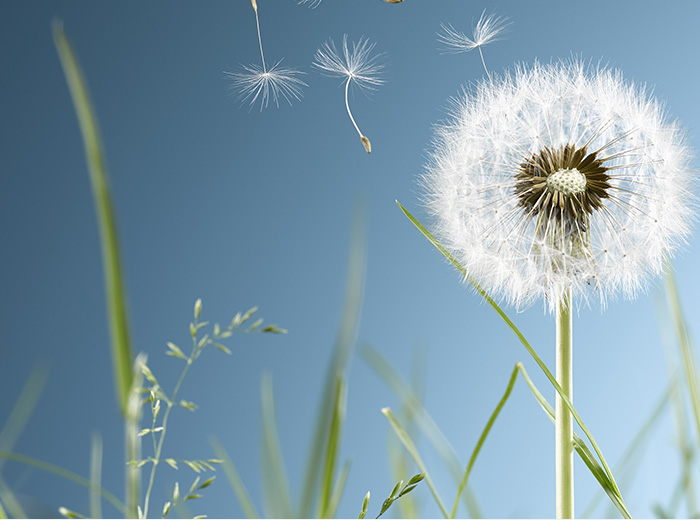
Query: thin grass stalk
[[411, 448], [235, 480], [64, 473], [340, 362], [564, 426], [332, 447], [3, 513], [482, 438], [95, 475]]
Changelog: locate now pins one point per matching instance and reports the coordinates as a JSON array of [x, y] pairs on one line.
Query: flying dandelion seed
[[358, 66], [313, 4], [487, 30], [254, 83], [260, 83], [556, 178]]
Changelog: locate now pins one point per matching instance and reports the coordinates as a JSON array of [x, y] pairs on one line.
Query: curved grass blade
[[522, 339], [347, 333], [8, 497], [411, 448], [62, 472], [278, 498], [482, 438], [403, 390], [235, 479], [3, 514], [97, 166], [332, 447]]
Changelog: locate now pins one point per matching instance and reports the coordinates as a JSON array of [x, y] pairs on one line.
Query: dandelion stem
[[564, 447], [257, 23], [347, 105], [484, 63]]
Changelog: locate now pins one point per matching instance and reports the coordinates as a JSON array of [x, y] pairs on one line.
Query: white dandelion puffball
[[559, 177]]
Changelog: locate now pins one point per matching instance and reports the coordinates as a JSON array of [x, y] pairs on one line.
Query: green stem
[[564, 428]]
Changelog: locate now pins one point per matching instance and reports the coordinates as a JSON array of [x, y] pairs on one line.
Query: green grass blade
[[279, 500], [235, 479], [689, 363], [8, 497], [95, 475], [332, 447], [408, 397], [97, 166], [522, 339], [482, 438], [345, 342], [62, 472], [23, 408], [3, 513], [338, 489], [411, 448]]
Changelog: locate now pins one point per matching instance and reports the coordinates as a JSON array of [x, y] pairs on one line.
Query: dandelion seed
[[260, 83], [487, 30], [313, 4], [254, 83], [358, 66], [560, 178]]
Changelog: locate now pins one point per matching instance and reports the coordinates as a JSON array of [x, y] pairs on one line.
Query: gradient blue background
[[245, 208]]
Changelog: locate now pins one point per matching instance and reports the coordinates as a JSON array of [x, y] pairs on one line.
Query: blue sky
[[239, 207]]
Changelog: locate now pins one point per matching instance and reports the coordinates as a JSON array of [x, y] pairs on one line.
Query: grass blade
[[347, 334], [279, 500], [482, 438], [408, 397], [62, 472], [97, 166], [95, 475], [411, 448], [522, 339], [338, 490], [235, 479], [332, 447]]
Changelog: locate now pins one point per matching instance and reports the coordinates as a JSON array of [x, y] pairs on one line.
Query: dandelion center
[[567, 184]]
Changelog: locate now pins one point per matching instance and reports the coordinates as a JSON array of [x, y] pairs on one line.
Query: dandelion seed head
[[559, 177], [356, 63], [313, 4], [487, 30], [254, 84]]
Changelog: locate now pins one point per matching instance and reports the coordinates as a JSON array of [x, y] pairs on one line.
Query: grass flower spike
[[357, 65], [257, 82], [556, 178], [487, 30]]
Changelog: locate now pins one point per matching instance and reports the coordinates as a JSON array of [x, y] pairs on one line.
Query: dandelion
[[260, 83], [358, 66], [313, 4], [563, 182], [487, 30]]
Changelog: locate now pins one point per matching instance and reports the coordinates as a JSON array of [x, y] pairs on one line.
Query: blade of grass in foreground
[[525, 343], [278, 498], [426, 423], [235, 480], [95, 475], [347, 333], [97, 166], [408, 444], [332, 447]]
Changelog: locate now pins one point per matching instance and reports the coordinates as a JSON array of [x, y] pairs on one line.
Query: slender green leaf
[[482, 438], [95, 475], [97, 166], [234, 478], [62, 472], [338, 489], [522, 339], [340, 361], [278, 497], [408, 444], [332, 447]]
